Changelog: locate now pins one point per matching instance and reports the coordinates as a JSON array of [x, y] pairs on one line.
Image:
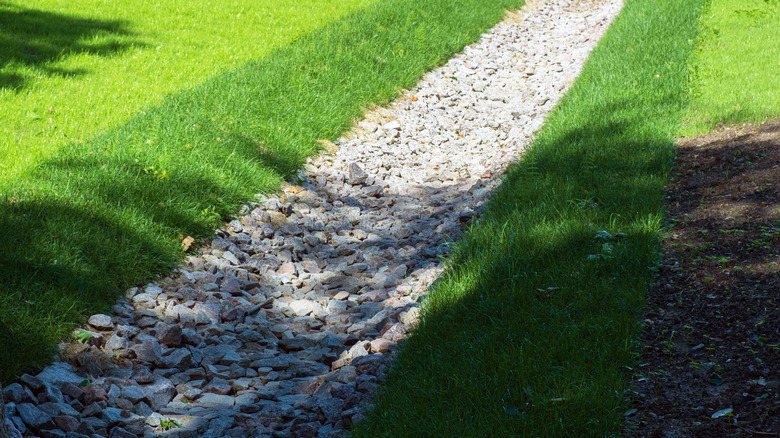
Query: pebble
[[286, 322]]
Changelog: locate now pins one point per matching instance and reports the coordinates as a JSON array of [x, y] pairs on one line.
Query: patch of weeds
[[82, 336], [169, 424]]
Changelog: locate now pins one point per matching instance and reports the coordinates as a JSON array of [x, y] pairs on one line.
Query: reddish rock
[[67, 423]]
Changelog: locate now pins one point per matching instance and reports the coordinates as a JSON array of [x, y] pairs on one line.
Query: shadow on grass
[[102, 226], [59, 259], [530, 330], [34, 39]]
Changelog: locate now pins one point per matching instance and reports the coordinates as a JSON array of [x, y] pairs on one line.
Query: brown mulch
[[712, 324]]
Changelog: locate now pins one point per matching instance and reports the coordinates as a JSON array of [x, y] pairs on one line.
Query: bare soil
[[710, 364]]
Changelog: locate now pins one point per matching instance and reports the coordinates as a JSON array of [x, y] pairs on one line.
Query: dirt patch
[[710, 365]]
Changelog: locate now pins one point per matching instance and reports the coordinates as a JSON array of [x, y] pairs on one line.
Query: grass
[[100, 215], [736, 69], [69, 70], [532, 327]]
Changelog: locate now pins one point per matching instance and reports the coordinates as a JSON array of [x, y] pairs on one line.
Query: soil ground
[[710, 365]]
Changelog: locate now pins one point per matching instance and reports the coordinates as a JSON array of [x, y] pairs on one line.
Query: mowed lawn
[[735, 73], [70, 69]]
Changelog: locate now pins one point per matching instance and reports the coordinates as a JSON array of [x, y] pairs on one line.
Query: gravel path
[[284, 325]]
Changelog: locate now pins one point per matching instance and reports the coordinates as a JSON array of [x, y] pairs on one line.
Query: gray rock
[[101, 322], [114, 416], [215, 401], [15, 393], [276, 363], [35, 418], [297, 343], [13, 432], [218, 386], [218, 426], [133, 393], [159, 393], [231, 284], [117, 341], [54, 409], [143, 298], [118, 432], [302, 307], [180, 359], [356, 174], [335, 306], [147, 349], [153, 290], [169, 334], [59, 373]]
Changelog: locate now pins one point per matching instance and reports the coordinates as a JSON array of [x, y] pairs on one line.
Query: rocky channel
[[285, 323]]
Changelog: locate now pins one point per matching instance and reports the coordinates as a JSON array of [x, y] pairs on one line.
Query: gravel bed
[[285, 322]]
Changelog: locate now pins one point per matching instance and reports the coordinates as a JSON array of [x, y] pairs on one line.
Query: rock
[[16, 394], [117, 341], [180, 359], [35, 418], [214, 401], [72, 390], [392, 125], [114, 416], [335, 307], [147, 349], [296, 344], [356, 174], [345, 374], [101, 322], [57, 374], [169, 334], [143, 298], [119, 432], [306, 430], [159, 393], [287, 269], [341, 296], [410, 317], [13, 432], [276, 363], [94, 394], [302, 307], [142, 374], [67, 423], [54, 409], [380, 345], [231, 284], [133, 393], [191, 336], [218, 386]]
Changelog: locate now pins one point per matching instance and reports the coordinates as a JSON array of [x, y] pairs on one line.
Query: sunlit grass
[[735, 75], [70, 69]]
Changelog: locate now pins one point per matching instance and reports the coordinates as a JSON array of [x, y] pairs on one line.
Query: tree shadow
[[526, 311], [86, 229], [57, 261], [32, 40]]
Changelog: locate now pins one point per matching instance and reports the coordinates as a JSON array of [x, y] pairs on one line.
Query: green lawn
[[531, 329], [104, 212], [70, 69], [736, 69]]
